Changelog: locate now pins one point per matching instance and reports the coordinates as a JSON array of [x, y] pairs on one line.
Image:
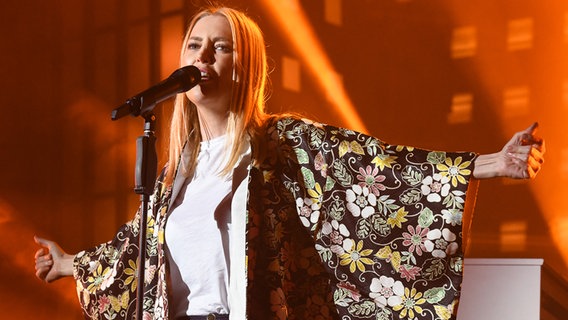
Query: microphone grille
[[187, 77]]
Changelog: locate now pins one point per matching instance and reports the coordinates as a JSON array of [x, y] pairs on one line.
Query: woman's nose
[[205, 55]]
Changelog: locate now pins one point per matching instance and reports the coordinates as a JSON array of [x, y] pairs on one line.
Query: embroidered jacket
[[340, 225]]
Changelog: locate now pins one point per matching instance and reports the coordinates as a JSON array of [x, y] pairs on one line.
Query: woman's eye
[[193, 46], [223, 48]]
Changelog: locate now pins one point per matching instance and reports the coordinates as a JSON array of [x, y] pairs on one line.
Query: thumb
[[43, 242], [532, 128]]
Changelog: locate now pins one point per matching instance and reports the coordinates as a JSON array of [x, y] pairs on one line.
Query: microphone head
[[187, 77]]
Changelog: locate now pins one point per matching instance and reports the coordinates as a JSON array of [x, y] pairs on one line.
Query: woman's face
[[210, 48]]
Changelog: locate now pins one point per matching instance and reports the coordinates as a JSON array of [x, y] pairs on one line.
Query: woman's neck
[[213, 123]]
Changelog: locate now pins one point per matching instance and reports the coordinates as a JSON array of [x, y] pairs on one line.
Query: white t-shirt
[[199, 235]]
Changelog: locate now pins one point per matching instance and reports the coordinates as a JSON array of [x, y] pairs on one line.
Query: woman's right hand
[[51, 262]]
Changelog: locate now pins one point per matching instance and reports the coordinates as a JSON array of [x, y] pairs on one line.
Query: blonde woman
[[274, 217]]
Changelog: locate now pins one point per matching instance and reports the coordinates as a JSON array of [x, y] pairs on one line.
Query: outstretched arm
[[520, 158], [51, 262]]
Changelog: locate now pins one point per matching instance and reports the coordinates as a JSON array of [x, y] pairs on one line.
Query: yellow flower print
[[98, 278], [455, 170], [132, 273], [397, 218], [316, 194], [410, 303], [356, 257], [384, 160]]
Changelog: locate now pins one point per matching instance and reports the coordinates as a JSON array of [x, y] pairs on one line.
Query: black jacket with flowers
[[340, 225]]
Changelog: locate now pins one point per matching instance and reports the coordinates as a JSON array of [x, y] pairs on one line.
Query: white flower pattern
[[309, 210], [336, 231], [435, 187], [441, 243], [386, 291], [360, 202]]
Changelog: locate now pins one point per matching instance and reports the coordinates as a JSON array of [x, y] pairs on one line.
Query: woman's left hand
[[524, 154], [521, 158]]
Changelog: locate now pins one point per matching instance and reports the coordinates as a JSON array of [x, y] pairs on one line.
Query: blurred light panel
[[520, 34], [565, 95], [566, 27], [461, 110], [564, 164], [516, 101], [291, 79], [464, 42], [172, 29], [513, 236], [333, 12]]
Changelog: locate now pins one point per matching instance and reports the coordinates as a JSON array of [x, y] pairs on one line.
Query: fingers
[[537, 154], [526, 161], [41, 274], [43, 265], [51, 246], [39, 252], [533, 166], [43, 258], [540, 146], [519, 152], [523, 152], [531, 140], [532, 171], [529, 137]]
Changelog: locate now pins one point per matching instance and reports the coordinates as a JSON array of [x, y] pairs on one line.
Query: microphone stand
[[143, 104], [145, 176]]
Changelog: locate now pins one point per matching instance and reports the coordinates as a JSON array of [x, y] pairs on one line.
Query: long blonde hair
[[246, 110]]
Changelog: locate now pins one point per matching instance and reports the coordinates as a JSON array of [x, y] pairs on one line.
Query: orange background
[[441, 74]]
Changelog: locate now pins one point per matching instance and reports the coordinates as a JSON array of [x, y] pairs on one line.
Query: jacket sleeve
[[106, 275], [386, 219]]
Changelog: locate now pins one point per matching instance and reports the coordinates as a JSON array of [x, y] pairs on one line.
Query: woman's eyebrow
[[197, 38], [222, 39]]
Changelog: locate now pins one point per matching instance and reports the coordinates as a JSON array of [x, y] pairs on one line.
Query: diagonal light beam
[[294, 24]]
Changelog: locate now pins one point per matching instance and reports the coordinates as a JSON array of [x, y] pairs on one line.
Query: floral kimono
[[340, 225]]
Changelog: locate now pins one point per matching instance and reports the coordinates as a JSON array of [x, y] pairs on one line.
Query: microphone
[[143, 103]]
